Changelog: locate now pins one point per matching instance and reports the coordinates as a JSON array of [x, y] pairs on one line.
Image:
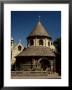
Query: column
[[51, 63], [34, 42], [54, 64], [38, 66], [34, 64], [45, 42]]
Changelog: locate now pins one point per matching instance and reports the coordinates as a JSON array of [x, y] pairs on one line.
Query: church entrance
[[44, 63]]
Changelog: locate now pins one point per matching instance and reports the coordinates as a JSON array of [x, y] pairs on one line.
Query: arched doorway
[[44, 63]]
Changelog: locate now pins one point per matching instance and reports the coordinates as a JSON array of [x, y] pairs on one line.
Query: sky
[[23, 22]]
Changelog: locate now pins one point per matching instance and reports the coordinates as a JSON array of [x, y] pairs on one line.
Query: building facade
[[15, 50]]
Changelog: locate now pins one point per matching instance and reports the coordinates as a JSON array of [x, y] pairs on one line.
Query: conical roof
[[39, 30]]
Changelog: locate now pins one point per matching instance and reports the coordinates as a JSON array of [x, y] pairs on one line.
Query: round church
[[39, 54]]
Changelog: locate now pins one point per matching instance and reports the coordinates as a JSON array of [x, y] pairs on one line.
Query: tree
[[57, 44]]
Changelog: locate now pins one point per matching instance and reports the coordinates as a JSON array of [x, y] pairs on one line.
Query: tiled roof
[[37, 51]]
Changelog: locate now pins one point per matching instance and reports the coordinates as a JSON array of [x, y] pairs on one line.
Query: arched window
[[19, 48], [40, 42], [31, 42], [48, 43]]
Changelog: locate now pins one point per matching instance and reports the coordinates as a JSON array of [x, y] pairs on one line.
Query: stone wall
[[45, 43], [15, 52]]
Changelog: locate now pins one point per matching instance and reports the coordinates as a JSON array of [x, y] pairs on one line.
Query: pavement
[[35, 76]]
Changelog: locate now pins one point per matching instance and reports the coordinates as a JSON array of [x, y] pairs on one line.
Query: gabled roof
[[37, 51], [39, 30]]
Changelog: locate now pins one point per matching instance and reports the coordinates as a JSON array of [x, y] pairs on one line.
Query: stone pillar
[[38, 66], [52, 67], [43, 42], [34, 42], [37, 41], [34, 64], [54, 64]]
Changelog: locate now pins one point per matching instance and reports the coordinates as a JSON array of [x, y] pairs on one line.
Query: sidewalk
[[34, 75]]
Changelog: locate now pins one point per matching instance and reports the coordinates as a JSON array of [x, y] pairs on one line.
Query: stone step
[[33, 73]]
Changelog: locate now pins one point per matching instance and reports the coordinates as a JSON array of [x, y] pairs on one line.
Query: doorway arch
[[44, 63]]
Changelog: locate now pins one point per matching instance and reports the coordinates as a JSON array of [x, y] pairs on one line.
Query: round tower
[[39, 36]]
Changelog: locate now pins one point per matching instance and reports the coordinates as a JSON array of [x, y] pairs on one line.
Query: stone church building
[[39, 54], [16, 48]]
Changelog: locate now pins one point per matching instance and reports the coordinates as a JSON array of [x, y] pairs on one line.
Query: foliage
[[57, 44]]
